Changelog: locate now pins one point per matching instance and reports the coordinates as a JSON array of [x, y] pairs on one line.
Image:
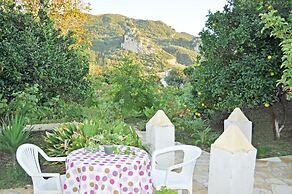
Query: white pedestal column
[[160, 133], [232, 164], [239, 119]]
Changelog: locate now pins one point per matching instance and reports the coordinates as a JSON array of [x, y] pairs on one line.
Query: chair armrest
[[52, 159], [160, 152], [180, 165], [47, 175], [176, 166], [56, 159]]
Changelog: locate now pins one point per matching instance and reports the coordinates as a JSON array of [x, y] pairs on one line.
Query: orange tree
[[240, 65]]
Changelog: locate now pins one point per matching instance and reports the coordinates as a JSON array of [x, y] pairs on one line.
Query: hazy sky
[[183, 15]]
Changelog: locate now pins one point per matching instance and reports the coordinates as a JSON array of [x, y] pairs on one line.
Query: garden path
[[272, 175]]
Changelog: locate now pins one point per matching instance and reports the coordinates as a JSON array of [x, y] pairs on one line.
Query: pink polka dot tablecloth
[[97, 172]]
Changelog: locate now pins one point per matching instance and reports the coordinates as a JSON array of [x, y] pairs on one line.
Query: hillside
[[154, 43]]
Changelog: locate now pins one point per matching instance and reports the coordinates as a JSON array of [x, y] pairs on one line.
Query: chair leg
[[179, 191], [190, 190]]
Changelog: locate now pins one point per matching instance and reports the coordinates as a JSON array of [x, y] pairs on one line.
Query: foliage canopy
[[281, 28], [240, 65], [34, 52]]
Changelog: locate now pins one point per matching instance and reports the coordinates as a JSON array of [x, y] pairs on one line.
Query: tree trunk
[[278, 128], [276, 118]]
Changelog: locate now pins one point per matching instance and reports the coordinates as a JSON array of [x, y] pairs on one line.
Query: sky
[[183, 15]]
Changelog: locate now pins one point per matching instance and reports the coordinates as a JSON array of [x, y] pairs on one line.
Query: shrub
[[177, 105], [132, 87], [72, 136], [101, 103], [165, 190], [281, 29], [169, 100], [34, 52], [25, 102], [28, 103], [195, 131], [57, 109], [3, 105], [12, 135], [59, 142], [175, 78]]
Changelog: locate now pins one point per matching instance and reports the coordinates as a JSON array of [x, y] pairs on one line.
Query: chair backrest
[[27, 156]]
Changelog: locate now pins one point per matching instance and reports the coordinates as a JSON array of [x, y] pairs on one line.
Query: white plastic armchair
[[176, 180], [43, 183]]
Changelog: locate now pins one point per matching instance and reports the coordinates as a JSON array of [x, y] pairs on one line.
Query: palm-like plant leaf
[[12, 134]]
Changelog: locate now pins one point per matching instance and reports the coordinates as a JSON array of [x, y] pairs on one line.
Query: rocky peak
[[134, 42]]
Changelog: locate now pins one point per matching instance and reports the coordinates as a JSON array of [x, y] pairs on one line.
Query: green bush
[[170, 101], [3, 105], [72, 136], [27, 103], [34, 52], [165, 190], [101, 103], [12, 134], [195, 131], [133, 88], [280, 28], [58, 110], [59, 142], [177, 104], [175, 78]]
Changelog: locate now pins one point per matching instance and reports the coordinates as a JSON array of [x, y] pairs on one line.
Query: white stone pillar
[[239, 119], [160, 133], [232, 164]]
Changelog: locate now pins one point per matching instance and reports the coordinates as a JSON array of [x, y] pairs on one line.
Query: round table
[[96, 172]]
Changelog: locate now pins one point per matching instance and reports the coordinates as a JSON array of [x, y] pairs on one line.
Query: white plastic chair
[[176, 180], [27, 157]]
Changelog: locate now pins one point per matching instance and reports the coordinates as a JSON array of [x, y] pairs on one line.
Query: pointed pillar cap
[[160, 119], [233, 140], [237, 115]]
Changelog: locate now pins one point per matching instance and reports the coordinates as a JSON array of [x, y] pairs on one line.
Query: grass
[[274, 148], [14, 175]]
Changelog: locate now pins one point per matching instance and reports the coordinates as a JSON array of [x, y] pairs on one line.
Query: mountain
[[154, 43]]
